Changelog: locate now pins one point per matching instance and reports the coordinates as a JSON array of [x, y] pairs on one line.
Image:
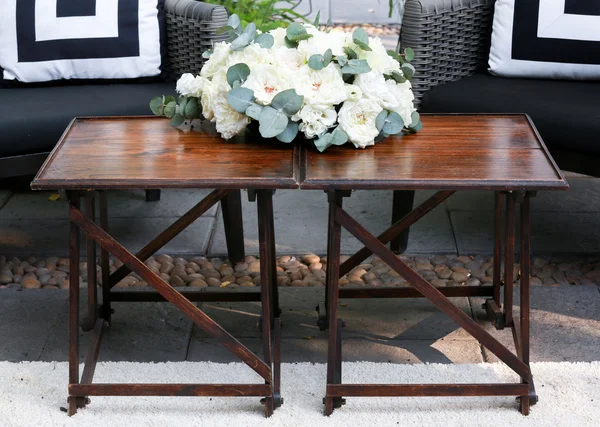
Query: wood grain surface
[[145, 152], [452, 152]]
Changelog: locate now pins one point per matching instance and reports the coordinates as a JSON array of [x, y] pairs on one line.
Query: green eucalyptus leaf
[[290, 44], [393, 124], [415, 128], [234, 22], [294, 30], [157, 105], [408, 70], [415, 118], [288, 102], [237, 73], [253, 111], [316, 62], [240, 99], [169, 99], [317, 19], [341, 60], [339, 137], [409, 54], [300, 37], [324, 142], [265, 40], [327, 57], [250, 30], [241, 42], [290, 132], [361, 39], [177, 120], [398, 77], [356, 66], [350, 53], [206, 54], [170, 109], [182, 103], [192, 110], [272, 122], [394, 55], [380, 120]]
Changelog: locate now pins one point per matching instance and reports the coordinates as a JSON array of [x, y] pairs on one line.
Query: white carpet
[[32, 393]]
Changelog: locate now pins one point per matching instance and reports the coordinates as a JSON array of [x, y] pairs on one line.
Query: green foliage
[[290, 132], [178, 112], [237, 73], [266, 14], [318, 62], [356, 66], [272, 122], [240, 99], [361, 39], [337, 137]]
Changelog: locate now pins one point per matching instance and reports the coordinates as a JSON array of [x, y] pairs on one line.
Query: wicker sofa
[[34, 116], [451, 39]]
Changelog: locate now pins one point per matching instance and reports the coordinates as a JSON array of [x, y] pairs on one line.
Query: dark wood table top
[[452, 152], [145, 152]]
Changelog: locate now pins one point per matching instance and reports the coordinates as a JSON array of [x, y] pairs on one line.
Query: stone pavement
[[562, 222], [354, 11]]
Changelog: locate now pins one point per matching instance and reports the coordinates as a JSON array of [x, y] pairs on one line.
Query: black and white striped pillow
[[546, 39], [46, 40]]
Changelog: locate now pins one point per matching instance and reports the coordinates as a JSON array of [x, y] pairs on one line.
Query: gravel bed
[[371, 29], [303, 271]]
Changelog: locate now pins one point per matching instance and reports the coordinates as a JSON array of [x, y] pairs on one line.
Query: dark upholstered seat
[[33, 119], [567, 113]]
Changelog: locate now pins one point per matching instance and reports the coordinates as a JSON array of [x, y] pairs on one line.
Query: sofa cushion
[[567, 113], [33, 119]]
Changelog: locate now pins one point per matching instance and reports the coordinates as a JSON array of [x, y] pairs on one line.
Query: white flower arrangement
[[333, 87]]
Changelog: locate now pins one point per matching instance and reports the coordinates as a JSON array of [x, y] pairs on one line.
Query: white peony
[[358, 120], [289, 59], [252, 55], [315, 120], [404, 96], [373, 86], [353, 92], [266, 81], [323, 87], [188, 85], [229, 122], [213, 89], [218, 59], [279, 35], [321, 41], [378, 58]]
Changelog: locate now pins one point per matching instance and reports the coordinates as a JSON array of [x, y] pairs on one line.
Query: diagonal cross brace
[[170, 294], [430, 292], [171, 232], [389, 234]]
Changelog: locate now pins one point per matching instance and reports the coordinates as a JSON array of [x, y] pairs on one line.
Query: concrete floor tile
[[28, 319], [373, 319], [121, 204], [4, 196], [471, 201], [140, 332], [301, 224], [51, 236], [565, 324]]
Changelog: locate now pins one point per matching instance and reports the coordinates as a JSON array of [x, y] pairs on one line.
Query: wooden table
[[99, 154], [499, 153]]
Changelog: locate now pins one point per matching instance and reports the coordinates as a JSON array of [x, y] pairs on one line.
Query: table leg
[[233, 223], [105, 261], [525, 295], [334, 357], [74, 200], [497, 247], [92, 298], [264, 207], [509, 258]]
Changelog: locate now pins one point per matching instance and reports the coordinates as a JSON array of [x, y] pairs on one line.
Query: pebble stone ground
[[200, 272]]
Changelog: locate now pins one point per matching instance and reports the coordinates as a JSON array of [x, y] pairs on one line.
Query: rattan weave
[[451, 39], [191, 30]]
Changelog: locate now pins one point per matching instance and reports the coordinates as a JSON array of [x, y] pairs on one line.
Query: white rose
[[358, 120], [252, 55], [229, 122], [266, 81], [217, 60], [353, 92], [378, 58], [211, 91], [321, 41], [323, 87], [374, 87], [188, 85], [315, 120], [279, 35], [290, 59], [404, 96]]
